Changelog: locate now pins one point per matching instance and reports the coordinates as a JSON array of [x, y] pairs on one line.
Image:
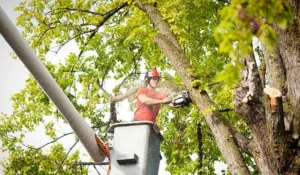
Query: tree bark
[[273, 144], [168, 43], [289, 55], [254, 114], [275, 133]]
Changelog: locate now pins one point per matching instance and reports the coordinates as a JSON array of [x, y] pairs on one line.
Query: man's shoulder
[[146, 90], [142, 90]]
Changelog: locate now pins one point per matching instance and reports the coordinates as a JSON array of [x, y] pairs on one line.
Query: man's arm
[[149, 101]]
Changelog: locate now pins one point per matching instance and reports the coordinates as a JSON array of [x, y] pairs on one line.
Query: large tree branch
[[244, 143], [282, 67], [158, 21], [249, 104], [248, 95], [218, 125], [131, 91], [127, 94], [93, 32], [115, 99], [215, 120], [285, 62]]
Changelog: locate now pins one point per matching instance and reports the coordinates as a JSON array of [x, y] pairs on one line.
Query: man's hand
[[167, 100]]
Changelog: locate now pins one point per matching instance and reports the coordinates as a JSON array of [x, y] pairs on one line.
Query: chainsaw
[[182, 98]]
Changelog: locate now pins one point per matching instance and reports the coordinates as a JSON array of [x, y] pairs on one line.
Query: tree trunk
[[218, 125], [274, 133]]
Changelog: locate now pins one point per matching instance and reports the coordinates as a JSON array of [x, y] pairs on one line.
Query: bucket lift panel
[[134, 148]]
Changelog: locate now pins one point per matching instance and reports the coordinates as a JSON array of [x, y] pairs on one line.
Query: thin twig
[[66, 157], [54, 140], [84, 11], [100, 126], [96, 169], [93, 3], [74, 37]]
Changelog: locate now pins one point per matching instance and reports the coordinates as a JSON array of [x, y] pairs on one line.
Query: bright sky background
[[12, 72], [12, 79]]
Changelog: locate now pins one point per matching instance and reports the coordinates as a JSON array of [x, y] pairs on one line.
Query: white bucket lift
[[134, 148]]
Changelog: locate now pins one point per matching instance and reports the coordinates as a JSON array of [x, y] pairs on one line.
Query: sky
[[12, 73], [12, 79]]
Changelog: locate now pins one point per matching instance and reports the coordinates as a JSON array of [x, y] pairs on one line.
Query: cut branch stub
[[273, 94]]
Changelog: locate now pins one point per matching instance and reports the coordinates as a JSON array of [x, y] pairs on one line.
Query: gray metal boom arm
[[83, 131]]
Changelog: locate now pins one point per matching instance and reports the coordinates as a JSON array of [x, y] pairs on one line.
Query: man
[[148, 100]]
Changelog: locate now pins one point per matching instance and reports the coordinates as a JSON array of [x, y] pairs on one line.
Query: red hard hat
[[152, 73]]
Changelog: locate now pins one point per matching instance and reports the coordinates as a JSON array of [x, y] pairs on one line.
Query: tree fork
[[249, 104]]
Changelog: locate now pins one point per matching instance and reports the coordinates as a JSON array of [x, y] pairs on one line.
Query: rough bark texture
[[253, 113], [274, 133], [289, 54], [218, 125]]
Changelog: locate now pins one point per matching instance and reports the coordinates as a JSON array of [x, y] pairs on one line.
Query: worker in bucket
[[148, 100]]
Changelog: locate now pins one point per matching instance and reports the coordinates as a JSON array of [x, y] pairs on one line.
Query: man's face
[[154, 81]]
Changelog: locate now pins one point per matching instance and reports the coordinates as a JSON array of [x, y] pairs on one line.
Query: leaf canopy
[[113, 42]]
